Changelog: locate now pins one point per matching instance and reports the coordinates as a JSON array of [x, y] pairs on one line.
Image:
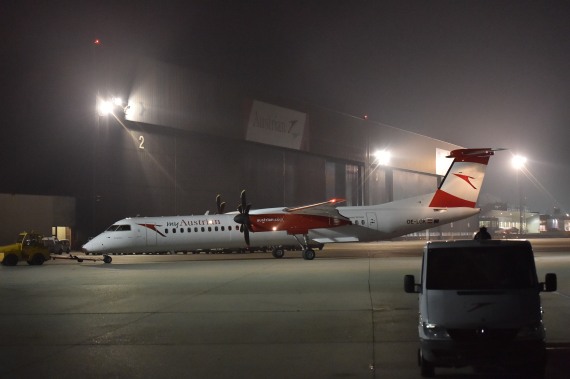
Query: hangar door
[[344, 180]]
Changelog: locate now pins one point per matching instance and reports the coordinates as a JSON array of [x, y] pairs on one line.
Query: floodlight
[[382, 157]]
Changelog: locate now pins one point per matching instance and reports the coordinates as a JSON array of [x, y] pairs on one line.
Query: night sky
[[473, 73]]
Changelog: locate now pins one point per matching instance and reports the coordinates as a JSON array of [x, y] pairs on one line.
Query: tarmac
[[342, 315]]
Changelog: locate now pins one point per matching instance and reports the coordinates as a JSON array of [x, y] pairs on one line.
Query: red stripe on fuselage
[[293, 223], [442, 199]]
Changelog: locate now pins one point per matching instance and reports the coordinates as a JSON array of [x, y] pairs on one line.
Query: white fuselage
[[208, 232]]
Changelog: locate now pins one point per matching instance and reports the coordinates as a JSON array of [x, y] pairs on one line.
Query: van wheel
[[427, 368], [10, 260]]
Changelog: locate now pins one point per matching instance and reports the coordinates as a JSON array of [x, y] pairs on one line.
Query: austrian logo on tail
[[468, 166], [467, 178]]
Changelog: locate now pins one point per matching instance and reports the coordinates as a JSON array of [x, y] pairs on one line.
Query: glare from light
[[518, 162], [118, 101], [104, 108], [382, 157]]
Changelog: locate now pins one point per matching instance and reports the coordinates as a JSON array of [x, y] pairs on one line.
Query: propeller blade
[[243, 217], [243, 202], [220, 205]]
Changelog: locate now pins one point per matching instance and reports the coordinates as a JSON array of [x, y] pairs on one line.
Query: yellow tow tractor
[[29, 247]]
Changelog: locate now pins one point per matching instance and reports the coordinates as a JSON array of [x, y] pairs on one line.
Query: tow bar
[[106, 258]]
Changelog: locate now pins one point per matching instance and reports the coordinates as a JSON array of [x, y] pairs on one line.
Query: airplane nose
[[87, 248]]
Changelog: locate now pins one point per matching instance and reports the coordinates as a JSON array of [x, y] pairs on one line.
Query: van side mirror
[[550, 284], [410, 285]]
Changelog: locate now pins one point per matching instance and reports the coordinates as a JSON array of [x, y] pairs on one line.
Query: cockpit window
[[118, 228]]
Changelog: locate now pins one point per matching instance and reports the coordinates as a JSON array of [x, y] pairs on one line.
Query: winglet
[[462, 183]]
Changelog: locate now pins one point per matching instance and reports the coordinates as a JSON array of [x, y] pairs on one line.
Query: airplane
[[304, 226]]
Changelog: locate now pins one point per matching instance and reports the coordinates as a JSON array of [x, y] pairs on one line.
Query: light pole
[[518, 163]]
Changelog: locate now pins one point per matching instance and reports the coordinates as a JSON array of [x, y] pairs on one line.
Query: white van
[[479, 306]]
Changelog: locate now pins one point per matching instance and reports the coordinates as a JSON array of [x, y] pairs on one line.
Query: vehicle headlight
[[435, 332], [534, 331]]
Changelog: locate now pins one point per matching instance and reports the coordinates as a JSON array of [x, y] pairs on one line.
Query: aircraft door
[[371, 220], [151, 236]]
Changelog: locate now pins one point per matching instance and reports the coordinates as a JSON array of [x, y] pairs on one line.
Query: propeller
[[220, 206], [243, 217]]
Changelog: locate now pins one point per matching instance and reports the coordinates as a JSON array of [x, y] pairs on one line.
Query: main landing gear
[[308, 253]]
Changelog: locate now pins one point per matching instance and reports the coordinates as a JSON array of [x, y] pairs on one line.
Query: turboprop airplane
[[306, 226]]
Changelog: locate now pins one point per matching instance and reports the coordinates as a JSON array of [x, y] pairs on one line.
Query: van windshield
[[489, 268]]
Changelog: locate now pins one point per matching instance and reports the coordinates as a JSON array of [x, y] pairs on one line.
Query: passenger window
[[173, 230], [203, 230], [196, 229], [230, 228], [223, 229], [209, 228], [166, 231], [189, 230], [181, 230], [216, 229]]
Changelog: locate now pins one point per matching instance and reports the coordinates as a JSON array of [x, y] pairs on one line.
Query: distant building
[[502, 220], [558, 222]]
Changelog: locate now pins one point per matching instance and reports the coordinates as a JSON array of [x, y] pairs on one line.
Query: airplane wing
[[327, 208]]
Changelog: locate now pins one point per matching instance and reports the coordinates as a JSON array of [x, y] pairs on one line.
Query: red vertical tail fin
[[462, 183]]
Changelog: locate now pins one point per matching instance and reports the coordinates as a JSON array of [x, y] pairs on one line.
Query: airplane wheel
[[278, 252], [309, 254], [107, 259]]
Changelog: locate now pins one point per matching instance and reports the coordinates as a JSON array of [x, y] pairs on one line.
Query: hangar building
[[181, 137]]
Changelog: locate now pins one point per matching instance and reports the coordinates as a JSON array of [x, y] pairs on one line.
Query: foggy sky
[[473, 73]]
